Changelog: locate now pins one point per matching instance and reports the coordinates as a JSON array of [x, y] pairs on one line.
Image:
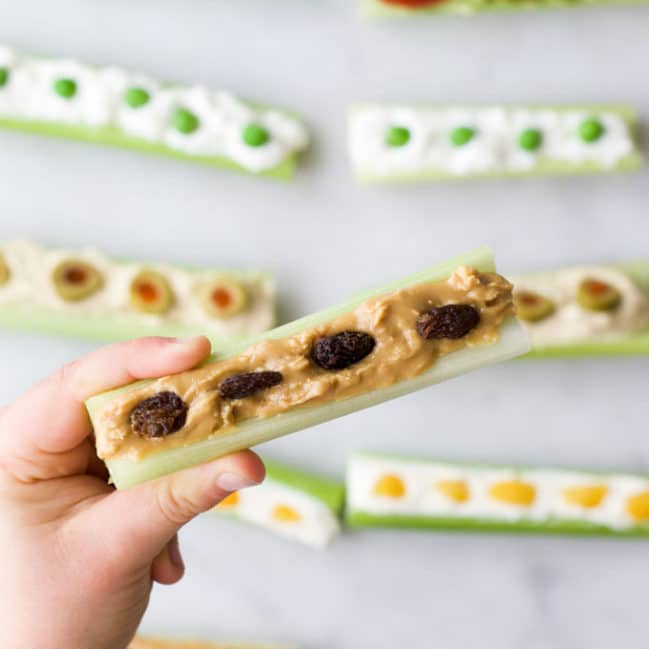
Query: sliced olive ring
[[533, 307], [222, 298], [596, 295], [75, 280], [5, 272], [151, 292]]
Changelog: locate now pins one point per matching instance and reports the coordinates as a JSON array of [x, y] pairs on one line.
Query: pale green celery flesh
[[513, 342], [329, 492], [113, 137], [544, 166], [359, 518], [37, 318], [636, 344], [377, 9]]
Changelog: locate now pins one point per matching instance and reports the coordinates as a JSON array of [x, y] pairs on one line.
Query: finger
[[136, 524], [168, 567], [51, 417]]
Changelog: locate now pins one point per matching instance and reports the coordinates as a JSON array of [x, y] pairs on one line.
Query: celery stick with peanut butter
[[440, 323]]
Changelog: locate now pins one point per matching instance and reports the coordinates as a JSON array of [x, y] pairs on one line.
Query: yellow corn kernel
[[286, 514], [390, 486], [638, 506], [230, 501], [456, 490], [587, 496], [513, 492]]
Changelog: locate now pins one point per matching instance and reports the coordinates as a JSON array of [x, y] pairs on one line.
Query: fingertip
[[168, 567], [156, 356], [246, 464]]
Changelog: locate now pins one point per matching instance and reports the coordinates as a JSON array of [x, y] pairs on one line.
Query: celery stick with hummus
[[84, 293], [586, 310], [392, 491], [453, 318]]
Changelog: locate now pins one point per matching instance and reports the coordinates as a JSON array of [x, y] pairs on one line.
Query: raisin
[[158, 416], [450, 321], [341, 350], [239, 386]]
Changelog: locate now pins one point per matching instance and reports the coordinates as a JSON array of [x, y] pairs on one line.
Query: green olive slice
[[222, 298], [597, 295], [532, 307], [151, 292], [5, 273], [76, 280]]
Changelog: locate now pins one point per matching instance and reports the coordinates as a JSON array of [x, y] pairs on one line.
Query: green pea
[[462, 135], [591, 129], [255, 135], [66, 88], [185, 121], [137, 97], [397, 136], [4, 77], [530, 139]]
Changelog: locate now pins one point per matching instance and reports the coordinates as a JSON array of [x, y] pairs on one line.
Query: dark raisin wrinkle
[[158, 416], [449, 321], [239, 386], [342, 350]]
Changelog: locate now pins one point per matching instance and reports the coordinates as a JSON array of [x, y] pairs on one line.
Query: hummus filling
[[569, 322], [399, 352]]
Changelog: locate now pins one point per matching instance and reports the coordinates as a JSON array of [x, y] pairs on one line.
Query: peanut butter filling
[[399, 353]]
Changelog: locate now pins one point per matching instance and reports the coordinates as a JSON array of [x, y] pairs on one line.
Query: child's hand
[[79, 557]]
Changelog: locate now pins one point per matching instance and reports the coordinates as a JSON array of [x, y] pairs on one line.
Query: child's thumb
[[145, 518]]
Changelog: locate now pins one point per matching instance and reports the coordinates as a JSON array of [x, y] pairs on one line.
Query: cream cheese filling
[[99, 101], [494, 147], [421, 497], [285, 511]]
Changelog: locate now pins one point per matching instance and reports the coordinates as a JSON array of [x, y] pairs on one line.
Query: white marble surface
[[325, 238]]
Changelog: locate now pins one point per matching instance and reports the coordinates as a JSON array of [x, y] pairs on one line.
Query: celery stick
[[380, 9], [634, 344], [544, 165], [114, 138], [513, 342], [252, 127], [114, 320], [420, 508], [317, 503]]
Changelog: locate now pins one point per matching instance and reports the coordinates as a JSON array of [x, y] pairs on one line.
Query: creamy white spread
[[421, 498], [31, 282], [99, 101], [310, 520], [494, 147], [570, 322]]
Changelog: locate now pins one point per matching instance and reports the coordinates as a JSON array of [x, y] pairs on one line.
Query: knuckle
[[175, 506]]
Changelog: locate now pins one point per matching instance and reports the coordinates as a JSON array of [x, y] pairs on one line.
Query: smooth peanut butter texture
[[400, 353]]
